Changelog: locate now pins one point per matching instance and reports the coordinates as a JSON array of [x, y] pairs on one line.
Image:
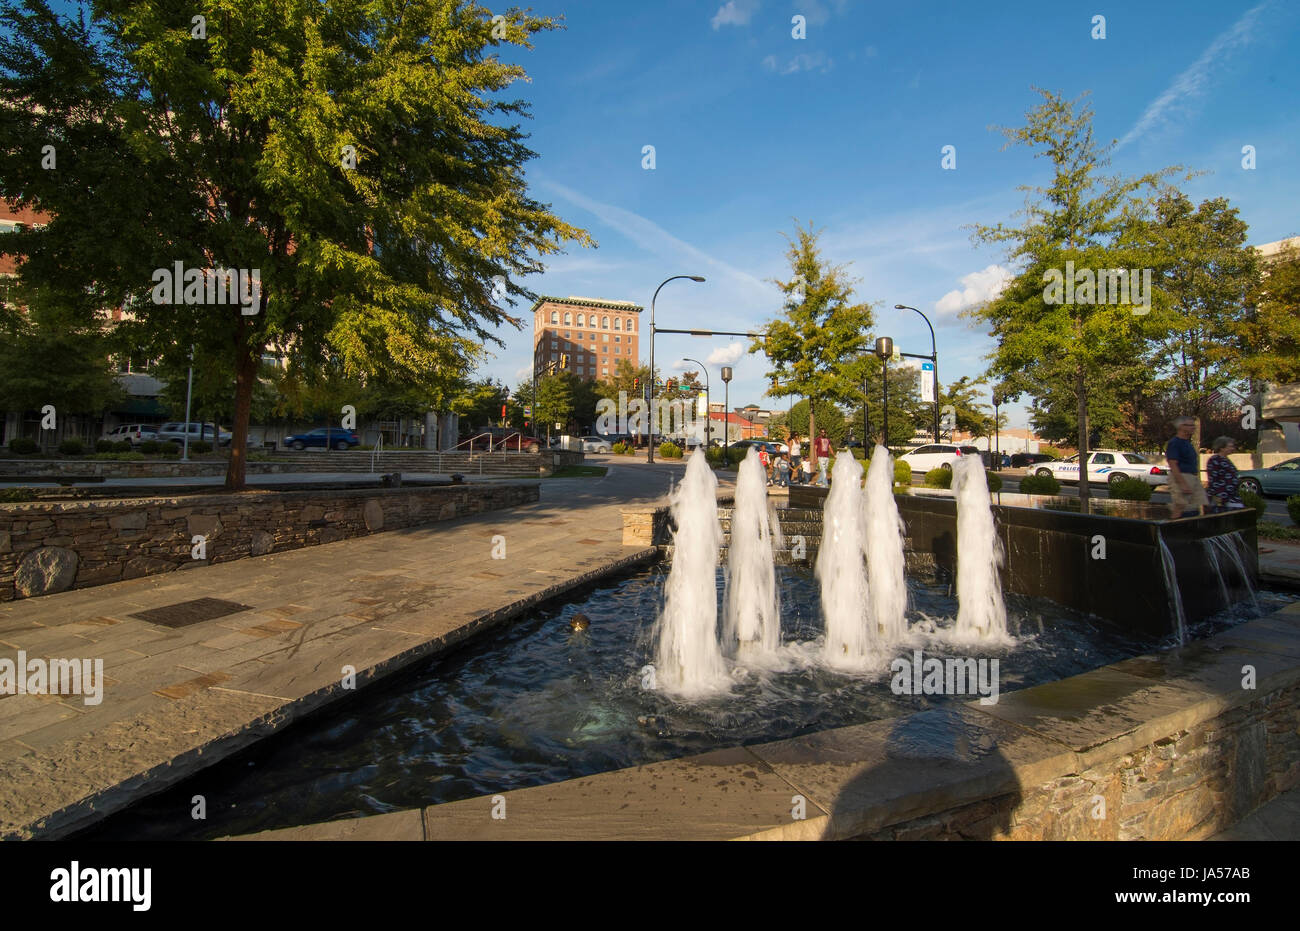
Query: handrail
[[379, 446]]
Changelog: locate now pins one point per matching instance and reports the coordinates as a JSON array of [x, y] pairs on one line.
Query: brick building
[[594, 334]]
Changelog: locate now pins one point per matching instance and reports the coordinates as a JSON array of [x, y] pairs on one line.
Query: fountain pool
[[539, 703]]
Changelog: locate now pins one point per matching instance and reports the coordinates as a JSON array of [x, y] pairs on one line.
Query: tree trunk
[[1082, 390], [245, 378]]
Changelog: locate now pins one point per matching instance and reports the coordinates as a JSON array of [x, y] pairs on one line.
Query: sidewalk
[[1281, 565], [176, 699]]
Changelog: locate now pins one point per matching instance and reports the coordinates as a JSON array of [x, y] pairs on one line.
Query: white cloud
[[977, 288], [734, 13], [726, 355], [1195, 80], [817, 61]]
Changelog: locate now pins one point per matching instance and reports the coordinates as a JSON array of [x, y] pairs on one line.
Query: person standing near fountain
[[796, 460], [1187, 495], [1221, 476], [822, 456]]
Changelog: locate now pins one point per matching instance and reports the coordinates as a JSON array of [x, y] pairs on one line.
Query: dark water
[[539, 703]]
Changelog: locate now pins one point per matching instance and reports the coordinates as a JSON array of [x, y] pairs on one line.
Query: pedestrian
[[766, 463], [796, 458], [1221, 477], [1186, 493], [782, 471], [822, 453]]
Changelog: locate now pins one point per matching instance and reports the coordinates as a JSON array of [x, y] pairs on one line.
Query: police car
[[1106, 465]]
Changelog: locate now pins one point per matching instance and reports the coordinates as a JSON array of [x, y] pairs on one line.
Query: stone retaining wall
[[51, 547]]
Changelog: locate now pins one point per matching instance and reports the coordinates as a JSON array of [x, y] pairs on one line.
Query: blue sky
[[754, 129]]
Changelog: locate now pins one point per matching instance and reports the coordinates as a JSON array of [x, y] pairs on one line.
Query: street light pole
[[726, 415], [706, 398], [650, 446], [189, 386], [934, 358], [884, 349], [997, 432]]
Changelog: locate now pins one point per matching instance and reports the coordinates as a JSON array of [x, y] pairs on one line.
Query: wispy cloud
[[977, 288], [734, 13], [816, 61], [650, 236], [1196, 80]]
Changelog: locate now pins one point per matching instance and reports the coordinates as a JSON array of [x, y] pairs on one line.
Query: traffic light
[[564, 360], [636, 384]]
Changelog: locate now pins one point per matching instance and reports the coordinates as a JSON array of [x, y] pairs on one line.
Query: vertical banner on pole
[[927, 382]]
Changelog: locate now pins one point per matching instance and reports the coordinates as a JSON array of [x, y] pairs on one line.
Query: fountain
[[751, 606], [981, 613], [886, 584], [689, 657], [841, 572]]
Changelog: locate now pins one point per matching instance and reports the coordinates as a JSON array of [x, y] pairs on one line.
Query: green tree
[[555, 399], [824, 415], [817, 349], [57, 353], [1080, 218], [1270, 330], [360, 155], [970, 415], [906, 412]]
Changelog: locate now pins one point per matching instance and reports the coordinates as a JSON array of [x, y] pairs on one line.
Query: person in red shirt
[[822, 457]]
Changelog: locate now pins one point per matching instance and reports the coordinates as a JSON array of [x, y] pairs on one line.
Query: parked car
[[1021, 460], [1281, 479], [177, 432], [594, 444], [1106, 465], [936, 456], [772, 446], [325, 438], [133, 433]]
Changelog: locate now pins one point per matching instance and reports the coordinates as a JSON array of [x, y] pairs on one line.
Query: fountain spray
[[751, 616], [884, 538], [981, 613]]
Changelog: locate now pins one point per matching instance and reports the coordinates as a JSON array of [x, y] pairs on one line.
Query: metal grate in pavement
[[185, 613]]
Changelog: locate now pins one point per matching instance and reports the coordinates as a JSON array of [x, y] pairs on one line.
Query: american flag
[[1213, 396]]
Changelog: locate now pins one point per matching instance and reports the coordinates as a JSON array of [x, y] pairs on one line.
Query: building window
[[555, 344], [604, 323], [603, 370], [567, 335], [630, 325], [618, 323], [604, 337], [555, 316], [580, 318], [581, 359], [618, 339], [568, 319]]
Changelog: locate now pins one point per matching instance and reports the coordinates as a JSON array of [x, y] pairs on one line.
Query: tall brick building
[[594, 334]]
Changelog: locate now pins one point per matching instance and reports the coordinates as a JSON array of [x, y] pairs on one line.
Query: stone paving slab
[[176, 700], [1279, 563]]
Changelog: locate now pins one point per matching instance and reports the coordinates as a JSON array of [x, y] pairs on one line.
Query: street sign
[[927, 382]]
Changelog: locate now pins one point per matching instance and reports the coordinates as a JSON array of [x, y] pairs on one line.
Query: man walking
[[1186, 493], [822, 455]]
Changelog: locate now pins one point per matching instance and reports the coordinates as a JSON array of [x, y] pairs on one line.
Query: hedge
[[1040, 485], [1129, 489], [938, 478]]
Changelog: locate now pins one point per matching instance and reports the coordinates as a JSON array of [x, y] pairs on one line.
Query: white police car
[[1106, 465]]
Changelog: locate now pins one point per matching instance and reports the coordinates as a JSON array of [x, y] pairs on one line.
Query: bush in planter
[[938, 478], [72, 447], [902, 473], [1252, 500], [105, 446], [1293, 508], [22, 446], [1040, 485], [994, 480], [169, 448], [669, 451], [201, 446], [123, 446], [150, 447], [1129, 489]]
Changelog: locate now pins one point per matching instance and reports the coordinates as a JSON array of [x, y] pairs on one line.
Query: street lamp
[[998, 400], [726, 414], [884, 349], [934, 358], [706, 398], [650, 446]]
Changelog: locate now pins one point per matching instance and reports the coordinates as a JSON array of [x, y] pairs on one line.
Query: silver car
[[177, 431]]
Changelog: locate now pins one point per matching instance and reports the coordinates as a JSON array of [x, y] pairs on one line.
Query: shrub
[[14, 495], [1268, 530], [669, 450], [118, 457], [736, 456], [713, 455], [938, 478], [1040, 485], [1252, 500], [150, 447], [202, 446], [72, 447], [1293, 508], [1129, 489], [168, 449], [105, 446], [902, 473], [994, 480], [123, 446]]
